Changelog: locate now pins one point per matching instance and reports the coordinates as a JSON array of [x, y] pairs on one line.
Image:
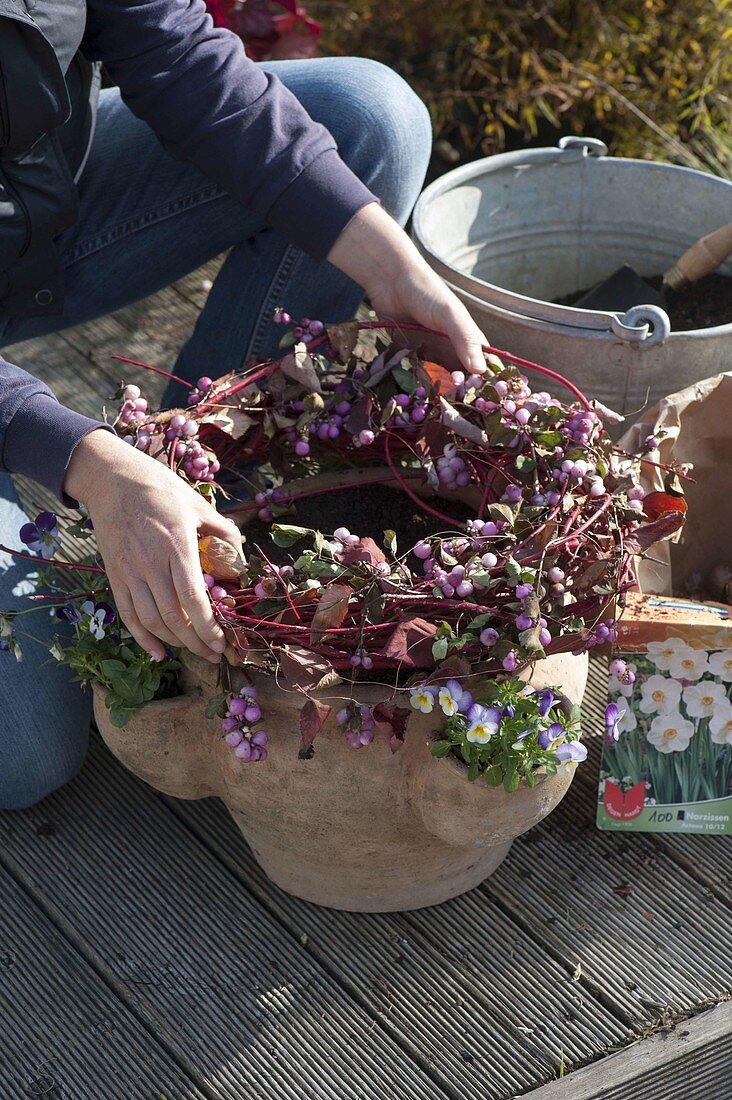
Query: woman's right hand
[[147, 523]]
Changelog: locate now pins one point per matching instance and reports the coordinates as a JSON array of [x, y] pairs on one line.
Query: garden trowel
[[624, 288]]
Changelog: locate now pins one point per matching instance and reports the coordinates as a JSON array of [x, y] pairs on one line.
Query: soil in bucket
[[705, 304], [367, 511]]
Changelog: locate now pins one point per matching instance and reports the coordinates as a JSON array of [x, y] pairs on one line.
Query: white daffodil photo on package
[[668, 735]]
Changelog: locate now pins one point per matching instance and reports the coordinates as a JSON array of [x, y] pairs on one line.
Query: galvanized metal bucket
[[512, 232]]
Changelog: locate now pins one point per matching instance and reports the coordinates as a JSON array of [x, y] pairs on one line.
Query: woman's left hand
[[401, 286]]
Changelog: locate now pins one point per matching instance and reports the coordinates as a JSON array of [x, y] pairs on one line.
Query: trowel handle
[[701, 259]]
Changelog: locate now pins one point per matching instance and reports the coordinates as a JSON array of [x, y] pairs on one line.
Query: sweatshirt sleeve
[[210, 105], [37, 434]]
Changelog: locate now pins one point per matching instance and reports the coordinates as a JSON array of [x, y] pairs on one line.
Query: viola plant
[[508, 733], [529, 518]]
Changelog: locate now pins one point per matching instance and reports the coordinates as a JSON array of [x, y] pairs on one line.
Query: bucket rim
[[522, 304]]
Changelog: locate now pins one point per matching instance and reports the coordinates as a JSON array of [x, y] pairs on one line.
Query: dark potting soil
[[701, 305], [367, 511]]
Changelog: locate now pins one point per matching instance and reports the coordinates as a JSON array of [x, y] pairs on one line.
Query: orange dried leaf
[[220, 558]]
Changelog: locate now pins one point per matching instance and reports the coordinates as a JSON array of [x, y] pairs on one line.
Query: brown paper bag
[[698, 426]]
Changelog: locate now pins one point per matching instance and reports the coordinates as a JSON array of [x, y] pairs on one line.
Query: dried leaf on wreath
[[662, 528], [383, 364], [539, 541], [452, 668], [437, 376], [359, 418], [411, 643], [343, 339], [298, 366], [591, 575], [304, 669], [391, 722], [232, 422], [220, 558], [363, 550], [313, 717], [661, 503], [331, 610]]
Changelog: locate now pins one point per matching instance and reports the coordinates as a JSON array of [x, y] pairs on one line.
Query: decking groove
[[64, 1032], [225, 989]]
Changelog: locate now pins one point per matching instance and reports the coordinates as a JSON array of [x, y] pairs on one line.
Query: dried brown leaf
[[298, 366], [331, 610], [220, 558], [411, 643], [302, 668], [313, 717]]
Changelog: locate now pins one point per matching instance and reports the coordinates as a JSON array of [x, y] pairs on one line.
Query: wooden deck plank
[[692, 1062], [231, 995], [460, 980], [647, 935], [64, 1032]]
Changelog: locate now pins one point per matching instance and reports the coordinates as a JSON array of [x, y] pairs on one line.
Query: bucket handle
[[642, 325], [589, 146]]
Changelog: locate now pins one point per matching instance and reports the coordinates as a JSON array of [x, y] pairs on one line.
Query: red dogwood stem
[[50, 561], [155, 370]]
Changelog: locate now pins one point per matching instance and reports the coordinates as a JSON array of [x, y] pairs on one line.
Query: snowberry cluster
[[451, 578], [410, 411], [217, 592], [203, 387], [451, 469], [581, 427], [266, 499], [196, 463], [358, 725], [242, 714], [602, 634], [272, 580], [306, 330], [133, 413]]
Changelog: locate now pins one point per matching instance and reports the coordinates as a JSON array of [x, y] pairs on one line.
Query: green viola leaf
[[441, 748]]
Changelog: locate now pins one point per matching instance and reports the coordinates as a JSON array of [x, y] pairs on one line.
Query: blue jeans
[[147, 220]]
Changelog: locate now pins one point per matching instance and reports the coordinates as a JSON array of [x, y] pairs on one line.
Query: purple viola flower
[[453, 698], [548, 736], [68, 613], [613, 717], [484, 723], [488, 637], [569, 754], [41, 536], [100, 616], [546, 701]]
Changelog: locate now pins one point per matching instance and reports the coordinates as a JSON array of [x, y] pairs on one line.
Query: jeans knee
[[27, 777]]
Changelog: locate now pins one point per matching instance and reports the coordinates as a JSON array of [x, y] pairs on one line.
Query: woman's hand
[[378, 255], [147, 522]]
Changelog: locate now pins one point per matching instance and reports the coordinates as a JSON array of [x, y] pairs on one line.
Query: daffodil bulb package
[[667, 756]]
